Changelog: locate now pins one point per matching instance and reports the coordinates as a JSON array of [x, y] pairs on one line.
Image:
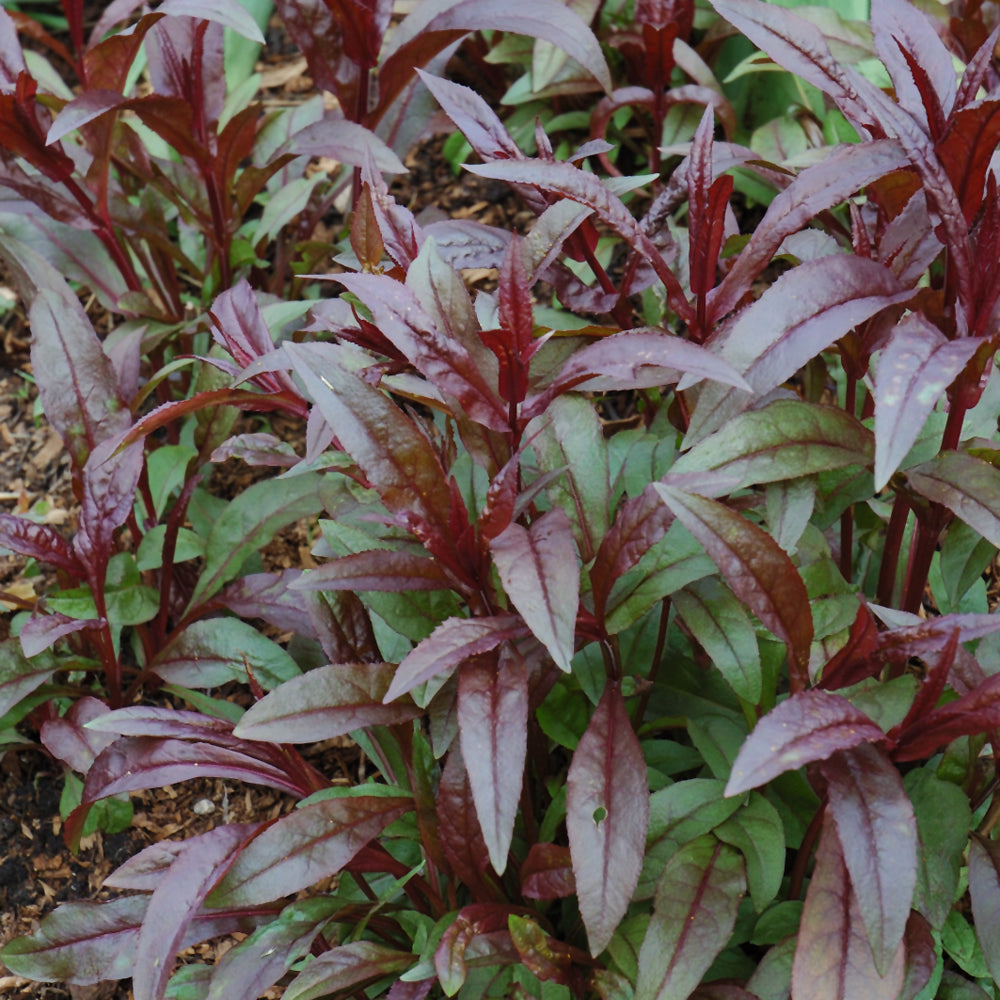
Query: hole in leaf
[[600, 815]]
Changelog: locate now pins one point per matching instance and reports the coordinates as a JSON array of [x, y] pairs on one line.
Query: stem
[[654, 667], [847, 518], [798, 873], [890, 552]]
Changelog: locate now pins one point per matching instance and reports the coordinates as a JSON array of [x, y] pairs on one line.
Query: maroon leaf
[[984, 889], [345, 968], [607, 817], [326, 702], [547, 872], [378, 569], [708, 200], [452, 643], [471, 921], [39, 541], [493, 727], [269, 596], [878, 833], [142, 720], [914, 369], [41, 632], [68, 739], [19, 676], [697, 899], [809, 726], [833, 959], [346, 142], [544, 957], [538, 570], [966, 485], [310, 844], [757, 570], [177, 898]]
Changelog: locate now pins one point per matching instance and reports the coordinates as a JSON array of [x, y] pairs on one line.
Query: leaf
[[19, 676], [984, 889], [212, 652], [39, 541], [345, 967], [345, 141], [786, 439], [392, 452], [493, 727], [377, 569], [966, 485], [310, 844], [454, 641], [878, 834], [81, 943], [544, 957], [757, 832], [569, 439], [326, 702], [538, 570], [833, 959], [250, 521], [809, 726], [759, 572], [176, 899], [607, 817], [547, 872], [697, 898], [261, 960], [70, 740], [914, 369], [228, 13]]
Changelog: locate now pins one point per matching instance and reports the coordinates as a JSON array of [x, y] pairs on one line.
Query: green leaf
[[345, 967], [756, 830], [697, 899]]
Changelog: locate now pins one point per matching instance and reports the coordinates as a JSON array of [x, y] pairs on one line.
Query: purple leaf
[[984, 888], [345, 967], [878, 833], [459, 829], [378, 569], [68, 739], [607, 817], [41, 632], [809, 726], [143, 871], [757, 570], [39, 541], [453, 642], [697, 899], [19, 676], [538, 570], [310, 844], [142, 720], [493, 727], [968, 486], [393, 453], [132, 763], [326, 702], [833, 959], [547, 872], [478, 919], [344, 141], [85, 108], [914, 369], [176, 899], [269, 596], [228, 13]]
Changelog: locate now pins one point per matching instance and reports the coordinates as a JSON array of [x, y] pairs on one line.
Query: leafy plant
[[704, 708]]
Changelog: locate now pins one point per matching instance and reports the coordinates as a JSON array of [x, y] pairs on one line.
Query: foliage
[[707, 707]]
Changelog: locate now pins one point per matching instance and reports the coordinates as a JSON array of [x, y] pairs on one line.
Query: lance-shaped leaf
[[177, 898], [783, 440], [878, 835], [547, 872], [451, 643], [984, 888], [809, 726], [310, 844], [445, 362], [346, 967], [39, 541], [377, 569], [257, 963], [19, 676], [968, 486], [325, 702], [470, 922], [833, 959], [392, 452], [722, 627], [69, 739], [757, 832], [493, 727], [757, 570], [607, 817], [538, 570], [697, 899], [914, 369]]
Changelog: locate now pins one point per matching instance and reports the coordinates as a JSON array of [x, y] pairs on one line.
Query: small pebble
[[204, 807]]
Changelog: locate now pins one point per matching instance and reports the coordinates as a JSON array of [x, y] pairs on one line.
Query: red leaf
[[547, 872], [607, 817], [833, 959], [757, 570], [343, 970], [493, 726], [968, 486], [310, 844], [708, 200], [378, 569], [878, 833], [453, 642], [809, 726], [470, 922], [69, 740], [39, 541], [984, 888]]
